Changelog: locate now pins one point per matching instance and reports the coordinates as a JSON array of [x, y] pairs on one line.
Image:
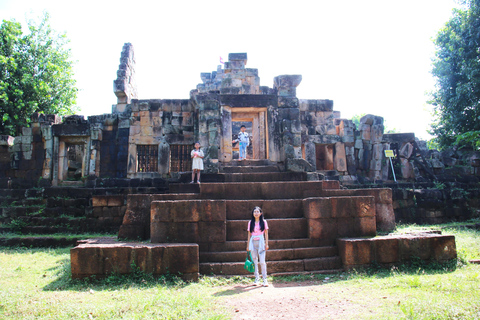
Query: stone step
[[7, 201], [15, 212], [289, 228], [12, 193], [272, 209], [265, 176], [272, 254], [33, 201], [108, 226], [277, 244], [68, 202], [250, 163], [246, 177], [184, 188], [273, 267], [59, 221], [38, 242], [248, 169], [265, 190], [28, 202], [48, 230], [62, 211]]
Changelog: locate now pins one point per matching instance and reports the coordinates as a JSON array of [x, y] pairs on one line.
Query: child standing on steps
[[244, 142], [197, 163], [257, 243]]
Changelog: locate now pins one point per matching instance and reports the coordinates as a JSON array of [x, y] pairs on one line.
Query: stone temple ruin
[[130, 168]]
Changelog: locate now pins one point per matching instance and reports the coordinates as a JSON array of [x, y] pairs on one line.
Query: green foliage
[[36, 74], [469, 139], [432, 144], [356, 119], [456, 67]]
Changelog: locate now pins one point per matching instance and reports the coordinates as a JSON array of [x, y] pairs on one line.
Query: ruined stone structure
[[153, 138], [129, 168]]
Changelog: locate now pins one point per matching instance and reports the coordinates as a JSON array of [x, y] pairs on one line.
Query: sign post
[[389, 154]]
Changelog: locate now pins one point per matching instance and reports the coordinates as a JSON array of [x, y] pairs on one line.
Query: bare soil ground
[[294, 300]]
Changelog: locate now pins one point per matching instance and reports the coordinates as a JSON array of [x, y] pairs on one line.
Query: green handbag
[[249, 265]]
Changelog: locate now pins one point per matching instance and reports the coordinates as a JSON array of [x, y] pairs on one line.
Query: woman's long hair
[[261, 221]]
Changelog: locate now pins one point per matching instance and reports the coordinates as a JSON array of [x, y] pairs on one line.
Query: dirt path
[[303, 300]]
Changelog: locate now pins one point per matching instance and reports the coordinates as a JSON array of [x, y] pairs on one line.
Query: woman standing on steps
[[197, 163], [257, 243]]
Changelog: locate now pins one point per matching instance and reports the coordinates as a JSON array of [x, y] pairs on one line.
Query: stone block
[[355, 252], [444, 248], [99, 201], [366, 132], [322, 228], [101, 259], [213, 231], [340, 160], [376, 133], [417, 247], [385, 216], [386, 250], [26, 131], [317, 208]]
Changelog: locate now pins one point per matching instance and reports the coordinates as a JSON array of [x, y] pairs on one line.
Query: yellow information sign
[[389, 154]]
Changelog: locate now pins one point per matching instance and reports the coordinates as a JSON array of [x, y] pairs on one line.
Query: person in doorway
[[257, 243], [197, 163], [244, 140]]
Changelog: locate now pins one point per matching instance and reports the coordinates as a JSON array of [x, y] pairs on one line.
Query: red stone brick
[[415, 247], [99, 201], [326, 263], [317, 208], [185, 232], [159, 266], [211, 268], [162, 211], [386, 250], [322, 228], [185, 211], [444, 248], [212, 231], [385, 217], [237, 230], [365, 227], [276, 255], [181, 258], [285, 266], [287, 228], [86, 262], [212, 210], [161, 232], [212, 190], [115, 201], [347, 227], [141, 257], [355, 252], [242, 209], [117, 259]]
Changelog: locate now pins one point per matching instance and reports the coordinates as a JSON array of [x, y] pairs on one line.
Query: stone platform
[[102, 257], [396, 249]]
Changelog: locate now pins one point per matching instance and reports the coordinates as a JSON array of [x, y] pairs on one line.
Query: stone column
[[289, 113]]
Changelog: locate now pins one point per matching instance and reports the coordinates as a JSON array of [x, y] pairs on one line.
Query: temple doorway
[[254, 119]]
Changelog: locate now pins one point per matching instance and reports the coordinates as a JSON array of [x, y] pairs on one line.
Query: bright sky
[[371, 56]]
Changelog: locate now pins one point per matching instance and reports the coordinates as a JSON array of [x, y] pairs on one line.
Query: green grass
[[57, 235], [36, 284]]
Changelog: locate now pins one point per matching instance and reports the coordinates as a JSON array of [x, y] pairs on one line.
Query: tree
[[456, 67], [36, 74]]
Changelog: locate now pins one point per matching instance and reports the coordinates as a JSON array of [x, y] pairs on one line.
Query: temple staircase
[[241, 184]]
